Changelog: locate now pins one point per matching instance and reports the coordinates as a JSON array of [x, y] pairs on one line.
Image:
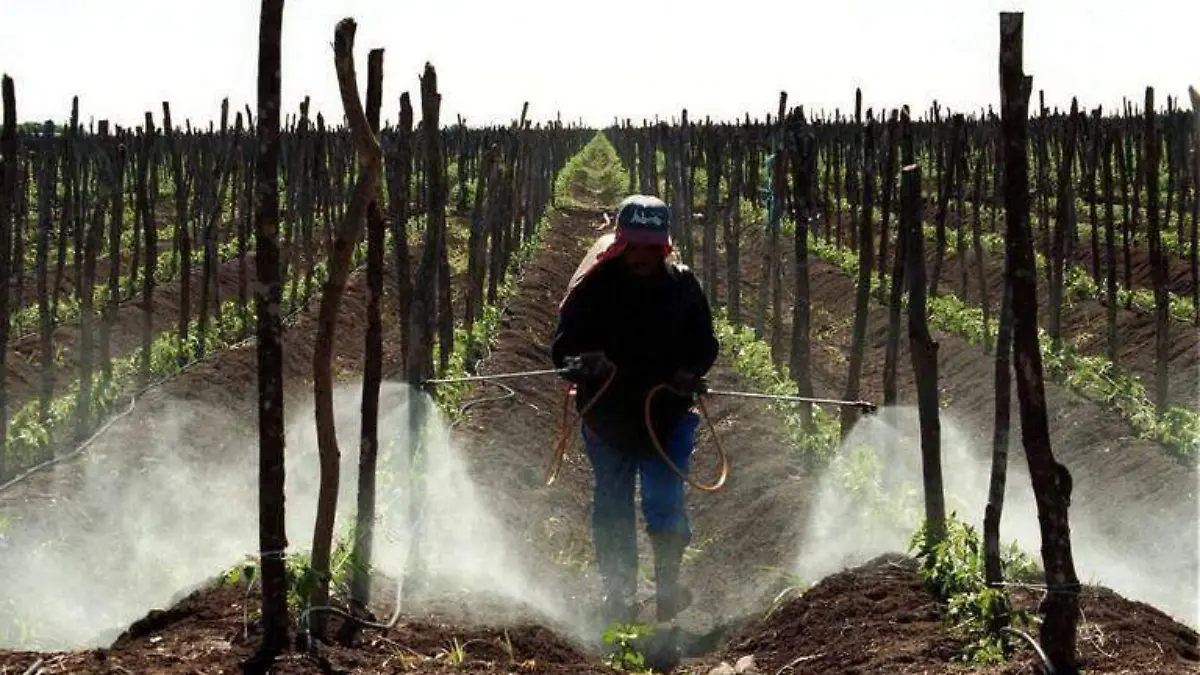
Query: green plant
[[953, 570], [595, 170], [622, 640], [1094, 377], [455, 653], [300, 575], [790, 585], [751, 357]]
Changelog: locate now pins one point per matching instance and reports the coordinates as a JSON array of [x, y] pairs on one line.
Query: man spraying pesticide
[[635, 337], [631, 322]]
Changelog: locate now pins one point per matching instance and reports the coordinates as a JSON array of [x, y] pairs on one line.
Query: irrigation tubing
[[509, 392], [1036, 647]]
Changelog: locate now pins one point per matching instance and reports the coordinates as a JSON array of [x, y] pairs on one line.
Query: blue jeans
[[614, 522]]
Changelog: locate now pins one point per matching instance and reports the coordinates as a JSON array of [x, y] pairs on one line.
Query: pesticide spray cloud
[[882, 457], [430, 516], [96, 542], [167, 499]]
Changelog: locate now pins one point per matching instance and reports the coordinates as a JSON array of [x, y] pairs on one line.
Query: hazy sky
[[634, 58]]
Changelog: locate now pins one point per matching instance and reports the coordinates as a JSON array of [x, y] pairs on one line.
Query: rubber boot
[[670, 597]]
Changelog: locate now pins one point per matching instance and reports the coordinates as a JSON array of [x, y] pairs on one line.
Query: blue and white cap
[[644, 219]]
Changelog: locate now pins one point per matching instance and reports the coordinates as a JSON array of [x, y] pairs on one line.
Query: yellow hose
[[561, 444]]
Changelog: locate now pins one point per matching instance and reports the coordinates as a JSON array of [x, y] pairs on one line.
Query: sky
[[590, 62]]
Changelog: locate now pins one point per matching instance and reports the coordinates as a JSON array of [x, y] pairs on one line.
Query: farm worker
[[630, 309]]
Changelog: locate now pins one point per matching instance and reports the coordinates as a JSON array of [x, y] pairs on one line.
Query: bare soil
[[878, 618]]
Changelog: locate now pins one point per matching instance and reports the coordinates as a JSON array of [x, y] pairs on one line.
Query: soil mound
[[215, 629], [879, 618]]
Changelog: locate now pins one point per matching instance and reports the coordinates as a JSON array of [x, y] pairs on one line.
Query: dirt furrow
[[1085, 325], [1084, 320]]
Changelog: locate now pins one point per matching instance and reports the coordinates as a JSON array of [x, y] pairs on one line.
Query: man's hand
[[591, 365]]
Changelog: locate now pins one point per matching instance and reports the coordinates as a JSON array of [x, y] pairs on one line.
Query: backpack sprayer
[[574, 365]]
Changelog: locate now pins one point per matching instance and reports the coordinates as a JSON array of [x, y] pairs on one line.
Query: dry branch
[[370, 158], [360, 588], [8, 191]]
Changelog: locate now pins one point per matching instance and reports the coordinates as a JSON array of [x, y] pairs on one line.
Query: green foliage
[[31, 433], [1094, 377], [622, 640], [860, 473], [954, 571], [596, 171], [751, 357], [300, 575]]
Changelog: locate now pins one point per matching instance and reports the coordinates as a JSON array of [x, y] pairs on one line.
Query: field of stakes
[[188, 314]]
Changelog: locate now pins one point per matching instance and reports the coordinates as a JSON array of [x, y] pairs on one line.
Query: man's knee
[[663, 499], [662, 485]]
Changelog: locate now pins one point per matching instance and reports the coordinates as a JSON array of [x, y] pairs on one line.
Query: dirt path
[[509, 444]]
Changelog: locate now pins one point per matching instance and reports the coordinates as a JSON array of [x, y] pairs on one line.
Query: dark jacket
[[650, 328]]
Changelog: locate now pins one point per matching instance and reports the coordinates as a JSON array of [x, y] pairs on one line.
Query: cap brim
[[634, 236]]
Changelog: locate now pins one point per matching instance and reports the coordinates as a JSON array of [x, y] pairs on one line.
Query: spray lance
[[574, 365]]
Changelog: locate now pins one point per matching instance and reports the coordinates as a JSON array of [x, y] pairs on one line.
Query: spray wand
[[575, 365], [503, 376]]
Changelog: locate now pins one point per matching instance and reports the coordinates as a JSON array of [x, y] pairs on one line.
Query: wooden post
[[272, 527], [1051, 480]]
